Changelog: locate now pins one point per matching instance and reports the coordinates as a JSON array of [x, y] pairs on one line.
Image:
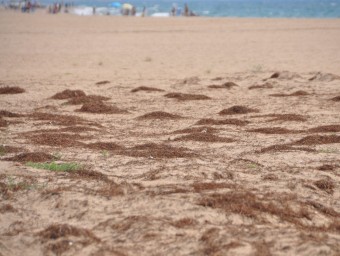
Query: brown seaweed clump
[[184, 96], [252, 206], [205, 129], [56, 231], [104, 146], [279, 148], [86, 99], [159, 115], [203, 137], [337, 98], [148, 89], [273, 130], [284, 117], [5, 113], [297, 93], [261, 86], [103, 82], [325, 184], [226, 85], [57, 140], [237, 110], [318, 140], [98, 107], [3, 122], [67, 94], [325, 128], [11, 90], [286, 75], [9, 149], [35, 157], [326, 167], [231, 121], [152, 150], [324, 77], [55, 119]]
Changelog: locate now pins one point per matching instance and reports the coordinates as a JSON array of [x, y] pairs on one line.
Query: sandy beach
[[187, 136]]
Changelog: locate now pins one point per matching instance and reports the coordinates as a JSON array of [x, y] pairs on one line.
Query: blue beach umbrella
[[115, 5]]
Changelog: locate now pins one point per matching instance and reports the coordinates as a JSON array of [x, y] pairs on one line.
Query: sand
[[260, 182]]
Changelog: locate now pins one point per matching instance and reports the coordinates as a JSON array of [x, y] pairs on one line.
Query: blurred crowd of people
[[57, 7], [176, 11], [116, 8]]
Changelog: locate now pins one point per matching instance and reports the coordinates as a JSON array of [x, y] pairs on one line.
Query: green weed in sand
[[2, 150], [56, 167]]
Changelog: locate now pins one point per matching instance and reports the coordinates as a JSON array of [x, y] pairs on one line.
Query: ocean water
[[226, 8]]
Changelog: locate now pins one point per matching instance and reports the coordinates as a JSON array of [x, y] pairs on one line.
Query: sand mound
[[31, 157], [99, 107], [324, 77], [278, 148], [145, 88], [261, 86], [67, 94], [318, 140], [203, 137], [337, 98], [203, 129], [273, 130], [209, 121], [325, 128], [152, 150], [184, 96], [284, 75], [86, 99], [237, 110], [4, 113], [297, 93], [104, 146], [226, 85], [103, 82], [159, 115], [57, 140], [11, 90]]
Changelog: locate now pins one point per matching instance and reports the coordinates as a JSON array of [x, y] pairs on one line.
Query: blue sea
[[227, 8]]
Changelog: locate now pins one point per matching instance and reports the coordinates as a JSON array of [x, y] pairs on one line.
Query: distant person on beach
[[174, 10], [133, 11], [186, 10], [144, 11]]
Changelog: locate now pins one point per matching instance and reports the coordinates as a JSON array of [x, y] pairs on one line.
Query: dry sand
[[250, 168]]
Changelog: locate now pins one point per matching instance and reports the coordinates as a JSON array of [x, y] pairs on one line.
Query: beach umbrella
[[127, 6], [116, 4]]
